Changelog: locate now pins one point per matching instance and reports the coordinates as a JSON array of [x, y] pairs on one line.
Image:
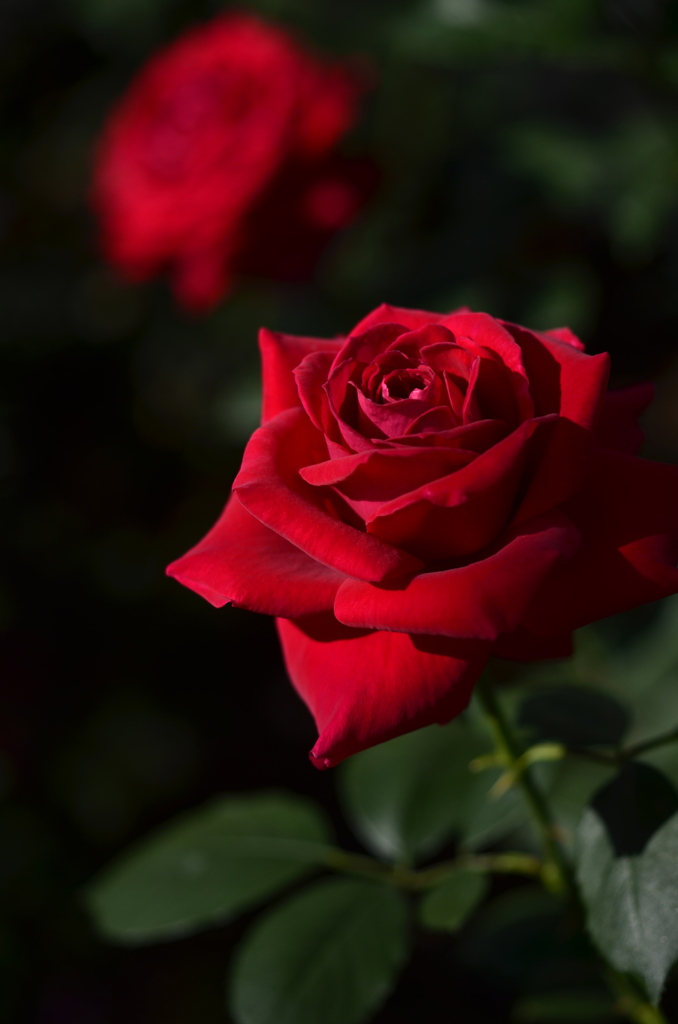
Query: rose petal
[[439, 420], [565, 335], [478, 601], [627, 514], [382, 475], [474, 437], [464, 511], [490, 334], [242, 562], [396, 418], [280, 355], [492, 392], [574, 384], [447, 357], [365, 688], [310, 376], [563, 379], [365, 345], [412, 319], [618, 425], [366, 493], [423, 337], [269, 486]]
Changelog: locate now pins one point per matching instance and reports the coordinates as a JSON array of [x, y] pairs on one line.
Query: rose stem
[[556, 873]]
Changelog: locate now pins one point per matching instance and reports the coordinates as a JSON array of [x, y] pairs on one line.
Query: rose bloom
[[427, 492], [220, 159]]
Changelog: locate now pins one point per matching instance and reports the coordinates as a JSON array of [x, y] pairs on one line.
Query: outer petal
[[280, 355], [242, 562], [562, 378], [572, 383], [364, 688], [463, 512], [410, 318], [628, 517], [618, 426], [480, 600], [565, 335], [269, 486]]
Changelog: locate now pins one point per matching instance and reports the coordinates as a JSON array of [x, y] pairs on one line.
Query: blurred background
[[529, 167]]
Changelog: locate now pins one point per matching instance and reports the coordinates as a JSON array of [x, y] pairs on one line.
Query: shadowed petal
[[463, 512], [618, 425], [574, 385], [627, 514], [480, 600]]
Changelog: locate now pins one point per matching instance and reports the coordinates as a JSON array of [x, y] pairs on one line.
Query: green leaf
[[518, 938], [207, 866], [329, 954], [575, 715], [407, 797], [626, 851], [447, 907]]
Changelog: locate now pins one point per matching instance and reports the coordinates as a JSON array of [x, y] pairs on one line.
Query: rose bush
[[426, 492], [220, 158]]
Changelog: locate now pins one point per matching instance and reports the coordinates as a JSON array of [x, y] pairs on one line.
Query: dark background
[[529, 153]]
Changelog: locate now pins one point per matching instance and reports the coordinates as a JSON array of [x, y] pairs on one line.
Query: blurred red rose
[[427, 492], [220, 158]]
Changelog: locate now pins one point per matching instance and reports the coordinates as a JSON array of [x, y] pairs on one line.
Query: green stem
[[617, 757], [406, 878], [366, 867], [656, 741], [498, 863], [555, 872]]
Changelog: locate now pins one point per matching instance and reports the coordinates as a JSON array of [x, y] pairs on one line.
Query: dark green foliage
[[634, 805], [406, 798], [627, 848], [208, 866], [448, 905], [575, 715], [331, 953]]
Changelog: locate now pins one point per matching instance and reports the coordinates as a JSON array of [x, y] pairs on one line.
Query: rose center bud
[[404, 384]]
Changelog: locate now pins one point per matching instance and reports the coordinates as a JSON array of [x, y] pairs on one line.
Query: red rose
[[427, 492], [232, 117]]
